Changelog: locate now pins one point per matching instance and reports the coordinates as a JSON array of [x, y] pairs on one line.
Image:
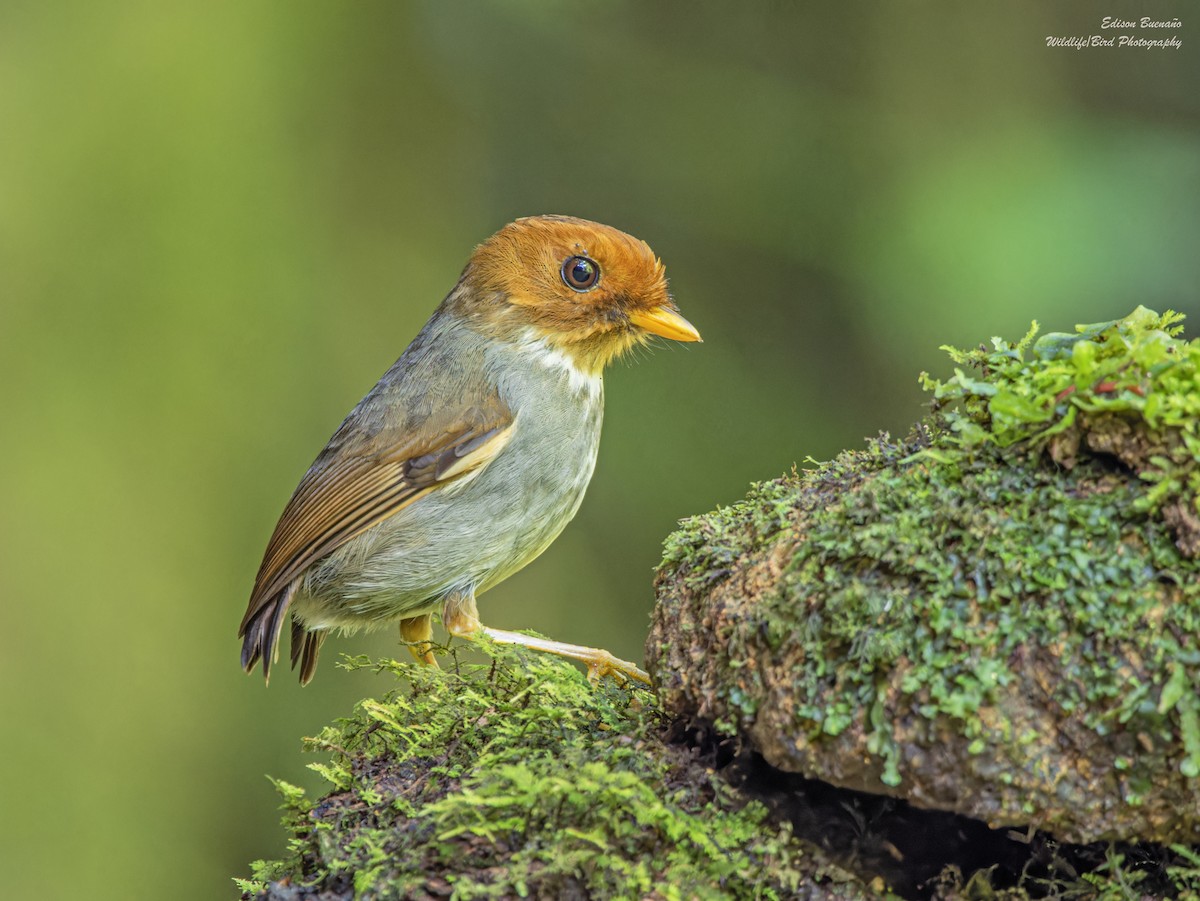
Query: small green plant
[[1129, 388]]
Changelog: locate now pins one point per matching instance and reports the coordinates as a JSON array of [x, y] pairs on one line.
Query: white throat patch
[[545, 354]]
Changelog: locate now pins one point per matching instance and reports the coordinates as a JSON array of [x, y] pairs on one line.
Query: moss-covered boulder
[[998, 616], [519, 780]]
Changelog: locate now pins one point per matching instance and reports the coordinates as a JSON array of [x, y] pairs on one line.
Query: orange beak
[[666, 322]]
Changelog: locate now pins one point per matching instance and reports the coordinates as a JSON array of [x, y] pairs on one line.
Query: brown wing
[[353, 486]]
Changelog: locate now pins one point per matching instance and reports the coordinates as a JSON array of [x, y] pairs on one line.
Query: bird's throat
[[583, 375]]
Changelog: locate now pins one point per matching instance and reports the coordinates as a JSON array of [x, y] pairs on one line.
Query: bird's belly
[[463, 536]]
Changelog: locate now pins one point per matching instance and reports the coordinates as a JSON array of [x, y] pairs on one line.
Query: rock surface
[[998, 616]]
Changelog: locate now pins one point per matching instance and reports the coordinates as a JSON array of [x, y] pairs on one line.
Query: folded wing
[[354, 485]]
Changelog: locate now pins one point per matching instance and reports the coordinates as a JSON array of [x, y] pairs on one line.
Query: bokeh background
[[220, 223]]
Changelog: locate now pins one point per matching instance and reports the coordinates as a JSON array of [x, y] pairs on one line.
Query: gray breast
[[486, 527], [543, 473]]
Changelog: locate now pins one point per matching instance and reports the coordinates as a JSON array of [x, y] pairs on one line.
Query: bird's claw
[[621, 671]]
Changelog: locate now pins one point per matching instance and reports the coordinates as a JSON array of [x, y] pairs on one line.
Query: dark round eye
[[580, 273]]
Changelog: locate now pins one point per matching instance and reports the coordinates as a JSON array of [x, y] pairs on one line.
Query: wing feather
[[352, 487]]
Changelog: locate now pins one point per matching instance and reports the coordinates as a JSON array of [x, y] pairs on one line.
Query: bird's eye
[[580, 273]]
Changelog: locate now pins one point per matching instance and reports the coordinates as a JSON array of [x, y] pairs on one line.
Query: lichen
[[518, 779], [1020, 570]]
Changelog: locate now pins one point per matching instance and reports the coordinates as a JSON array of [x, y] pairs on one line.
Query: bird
[[471, 453]]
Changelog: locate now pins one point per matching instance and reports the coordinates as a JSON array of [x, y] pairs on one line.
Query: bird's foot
[[605, 664], [417, 633], [599, 662], [462, 621]]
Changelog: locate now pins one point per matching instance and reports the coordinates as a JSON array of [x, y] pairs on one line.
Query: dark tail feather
[[298, 632], [305, 648], [261, 633]]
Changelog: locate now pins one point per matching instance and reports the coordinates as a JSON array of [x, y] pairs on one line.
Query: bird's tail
[[260, 632], [260, 638], [306, 645]]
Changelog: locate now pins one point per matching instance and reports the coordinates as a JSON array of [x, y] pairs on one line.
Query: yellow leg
[[417, 631], [461, 618]]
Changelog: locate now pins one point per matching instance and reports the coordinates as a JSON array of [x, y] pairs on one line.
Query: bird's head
[[588, 290]]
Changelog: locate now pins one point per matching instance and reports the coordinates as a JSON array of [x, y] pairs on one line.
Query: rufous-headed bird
[[471, 454]]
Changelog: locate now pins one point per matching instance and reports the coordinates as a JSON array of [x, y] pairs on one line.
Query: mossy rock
[[518, 779], [997, 616]]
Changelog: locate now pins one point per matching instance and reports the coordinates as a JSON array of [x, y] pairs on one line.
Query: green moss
[[519, 779], [705, 548], [983, 560], [1046, 512]]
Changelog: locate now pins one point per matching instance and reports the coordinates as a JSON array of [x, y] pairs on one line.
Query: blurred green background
[[220, 223]]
